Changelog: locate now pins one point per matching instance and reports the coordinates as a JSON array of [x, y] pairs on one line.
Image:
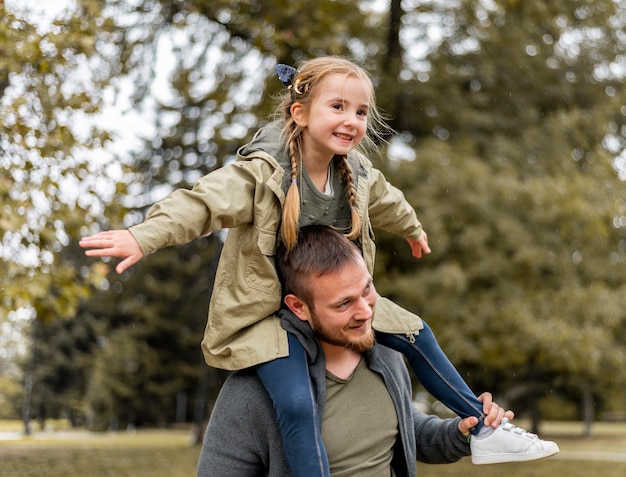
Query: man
[[363, 390]]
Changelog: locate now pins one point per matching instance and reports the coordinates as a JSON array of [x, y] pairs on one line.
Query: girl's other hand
[[113, 243], [419, 246]]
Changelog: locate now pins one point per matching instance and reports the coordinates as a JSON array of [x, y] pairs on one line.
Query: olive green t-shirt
[[324, 208], [359, 425]]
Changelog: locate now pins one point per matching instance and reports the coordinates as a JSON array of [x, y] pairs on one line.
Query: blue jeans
[[436, 373], [288, 384]]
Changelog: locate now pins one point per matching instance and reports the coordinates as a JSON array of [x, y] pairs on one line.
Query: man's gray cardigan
[[242, 438]]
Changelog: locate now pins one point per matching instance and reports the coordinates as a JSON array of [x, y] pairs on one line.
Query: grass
[[74, 453], [161, 453]]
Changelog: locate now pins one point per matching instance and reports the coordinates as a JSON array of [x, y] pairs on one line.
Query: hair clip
[[286, 74]]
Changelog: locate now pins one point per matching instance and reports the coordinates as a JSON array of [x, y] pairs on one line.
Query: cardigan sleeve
[[438, 441]]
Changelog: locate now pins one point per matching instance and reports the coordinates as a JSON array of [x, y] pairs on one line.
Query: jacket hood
[[268, 141], [301, 330]]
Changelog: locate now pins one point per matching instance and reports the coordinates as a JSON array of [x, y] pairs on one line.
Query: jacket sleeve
[[438, 441], [389, 210], [220, 199]]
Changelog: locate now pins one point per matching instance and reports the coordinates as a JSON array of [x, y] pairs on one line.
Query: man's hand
[[113, 243], [493, 415], [419, 246]]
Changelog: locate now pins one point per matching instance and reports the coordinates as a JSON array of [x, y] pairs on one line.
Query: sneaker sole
[[503, 458]]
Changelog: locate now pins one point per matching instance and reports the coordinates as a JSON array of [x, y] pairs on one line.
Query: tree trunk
[[588, 410], [197, 428], [29, 380], [392, 64]]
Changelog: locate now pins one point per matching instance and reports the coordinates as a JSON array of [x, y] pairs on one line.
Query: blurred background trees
[[511, 129]]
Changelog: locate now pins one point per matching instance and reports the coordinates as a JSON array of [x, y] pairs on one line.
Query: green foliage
[[150, 327], [518, 192], [48, 184], [11, 397], [512, 109], [62, 362]]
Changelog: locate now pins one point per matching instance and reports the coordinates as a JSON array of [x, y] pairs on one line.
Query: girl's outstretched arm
[[419, 246], [113, 243]]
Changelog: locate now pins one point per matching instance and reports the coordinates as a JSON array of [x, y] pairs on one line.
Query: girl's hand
[[114, 243], [419, 246]]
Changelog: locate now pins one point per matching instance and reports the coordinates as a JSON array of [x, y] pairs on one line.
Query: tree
[[518, 190], [63, 361], [49, 187], [149, 330]]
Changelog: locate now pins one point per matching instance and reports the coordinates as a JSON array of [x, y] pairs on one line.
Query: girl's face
[[335, 121]]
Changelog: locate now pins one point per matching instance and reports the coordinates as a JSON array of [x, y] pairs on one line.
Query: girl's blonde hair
[[303, 90]]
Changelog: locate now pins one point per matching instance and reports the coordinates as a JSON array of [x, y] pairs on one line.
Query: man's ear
[[297, 306], [298, 114]]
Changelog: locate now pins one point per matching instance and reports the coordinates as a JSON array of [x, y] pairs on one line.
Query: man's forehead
[[349, 280]]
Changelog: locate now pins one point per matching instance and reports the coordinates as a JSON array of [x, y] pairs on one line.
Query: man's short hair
[[319, 250]]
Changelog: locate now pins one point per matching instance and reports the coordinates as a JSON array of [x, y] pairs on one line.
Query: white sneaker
[[509, 443]]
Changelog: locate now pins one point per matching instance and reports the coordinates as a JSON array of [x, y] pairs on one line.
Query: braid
[[346, 176], [291, 208]]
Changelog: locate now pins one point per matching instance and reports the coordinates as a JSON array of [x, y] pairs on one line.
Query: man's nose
[[365, 308]]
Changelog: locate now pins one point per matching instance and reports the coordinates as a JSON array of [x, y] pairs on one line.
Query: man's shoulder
[[244, 385], [386, 355], [391, 365], [242, 437], [244, 396]]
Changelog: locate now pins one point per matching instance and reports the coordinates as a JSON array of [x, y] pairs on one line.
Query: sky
[[40, 12], [118, 116]]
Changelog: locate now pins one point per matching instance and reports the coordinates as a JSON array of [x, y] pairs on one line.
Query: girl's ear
[[298, 114], [297, 306]]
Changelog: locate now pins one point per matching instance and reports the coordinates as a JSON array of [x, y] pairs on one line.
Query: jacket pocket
[[260, 273]]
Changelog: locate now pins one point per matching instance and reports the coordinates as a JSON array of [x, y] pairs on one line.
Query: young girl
[[300, 170]]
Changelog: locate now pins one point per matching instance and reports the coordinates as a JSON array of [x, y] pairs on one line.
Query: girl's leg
[[288, 383], [436, 373]]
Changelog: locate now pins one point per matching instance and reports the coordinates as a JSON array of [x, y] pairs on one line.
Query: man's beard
[[339, 337]]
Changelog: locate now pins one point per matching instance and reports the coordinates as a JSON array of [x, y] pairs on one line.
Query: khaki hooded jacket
[[246, 197]]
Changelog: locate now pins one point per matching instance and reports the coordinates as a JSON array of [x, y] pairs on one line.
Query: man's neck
[[340, 361]]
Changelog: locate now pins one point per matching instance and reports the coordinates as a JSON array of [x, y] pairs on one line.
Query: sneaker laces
[[507, 426]]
